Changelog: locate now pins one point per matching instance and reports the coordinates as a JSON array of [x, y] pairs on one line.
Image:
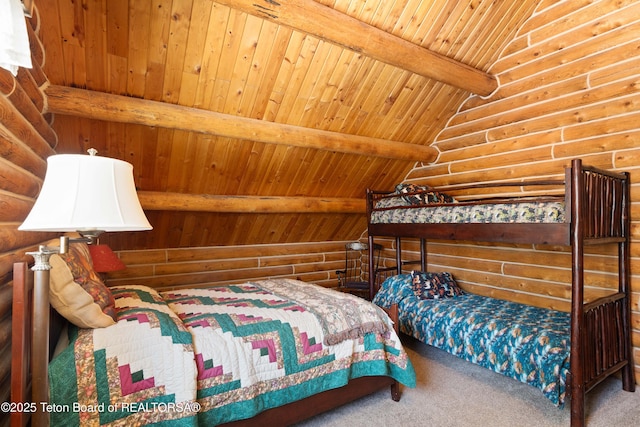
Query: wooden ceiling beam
[[338, 28], [160, 201], [124, 109]]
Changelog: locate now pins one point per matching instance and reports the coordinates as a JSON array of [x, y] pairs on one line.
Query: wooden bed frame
[[24, 363], [597, 204]]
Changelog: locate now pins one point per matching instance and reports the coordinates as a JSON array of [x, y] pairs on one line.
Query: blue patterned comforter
[[523, 342]]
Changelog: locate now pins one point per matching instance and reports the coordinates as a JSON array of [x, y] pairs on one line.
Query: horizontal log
[[35, 45], [16, 180], [116, 108], [204, 278], [26, 106], [341, 29], [37, 74], [11, 238], [5, 358], [8, 259], [16, 128], [5, 333], [13, 208], [6, 297], [26, 81], [220, 252], [7, 82], [5, 390], [315, 262], [14, 151], [190, 268], [153, 200]]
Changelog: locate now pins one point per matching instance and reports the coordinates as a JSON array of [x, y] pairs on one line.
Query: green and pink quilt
[[209, 356]]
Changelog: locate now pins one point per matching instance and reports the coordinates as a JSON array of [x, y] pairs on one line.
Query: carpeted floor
[[452, 392]]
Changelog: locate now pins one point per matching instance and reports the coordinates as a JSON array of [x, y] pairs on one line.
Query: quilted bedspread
[[523, 342], [208, 356], [395, 211]]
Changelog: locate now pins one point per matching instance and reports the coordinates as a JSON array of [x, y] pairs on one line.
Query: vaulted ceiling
[[265, 121]]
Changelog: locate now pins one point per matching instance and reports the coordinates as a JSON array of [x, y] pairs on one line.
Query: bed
[[274, 351], [590, 206], [479, 329]]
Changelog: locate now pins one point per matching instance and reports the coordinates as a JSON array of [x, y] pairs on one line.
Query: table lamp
[[88, 194]]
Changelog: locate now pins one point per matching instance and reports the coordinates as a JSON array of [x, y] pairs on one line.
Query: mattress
[[529, 344], [394, 210]]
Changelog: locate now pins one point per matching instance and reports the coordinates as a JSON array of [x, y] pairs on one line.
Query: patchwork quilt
[[526, 343], [208, 356]]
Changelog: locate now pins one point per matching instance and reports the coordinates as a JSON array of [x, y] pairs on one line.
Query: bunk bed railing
[[605, 346], [374, 196], [602, 215], [603, 199], [600, 337]]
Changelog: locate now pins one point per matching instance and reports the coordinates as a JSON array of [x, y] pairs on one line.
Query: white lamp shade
[[82, 192]]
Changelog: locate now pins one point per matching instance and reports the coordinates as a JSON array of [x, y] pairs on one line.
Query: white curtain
[[14, 40]]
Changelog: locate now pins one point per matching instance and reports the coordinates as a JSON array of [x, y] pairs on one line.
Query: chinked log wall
[[26, 140], [194, 267], [569, 88]]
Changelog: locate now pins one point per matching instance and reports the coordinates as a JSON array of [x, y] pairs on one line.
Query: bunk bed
[[257, 353], [590, 206]]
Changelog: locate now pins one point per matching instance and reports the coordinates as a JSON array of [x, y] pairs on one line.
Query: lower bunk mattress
[[209, 356], [526, 343]]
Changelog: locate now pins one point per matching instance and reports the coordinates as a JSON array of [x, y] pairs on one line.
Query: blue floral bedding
[[526, 343]]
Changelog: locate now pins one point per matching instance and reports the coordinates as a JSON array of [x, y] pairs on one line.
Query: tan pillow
[[77, 292]]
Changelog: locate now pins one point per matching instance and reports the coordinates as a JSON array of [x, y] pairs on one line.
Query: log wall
[[26, 139], [569, 87], [165, 269]]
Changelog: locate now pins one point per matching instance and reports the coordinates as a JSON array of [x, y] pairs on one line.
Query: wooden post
[[624, 272], [577, 295], [399, 254], [20, 329], [40, 335]]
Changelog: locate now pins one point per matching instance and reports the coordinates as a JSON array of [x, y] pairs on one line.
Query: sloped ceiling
[[264, 121]]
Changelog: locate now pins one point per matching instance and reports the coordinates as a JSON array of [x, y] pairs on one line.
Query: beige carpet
[[453, 392]]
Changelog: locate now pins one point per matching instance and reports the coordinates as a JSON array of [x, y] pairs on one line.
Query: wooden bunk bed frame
[[597, 206], [26, 387]]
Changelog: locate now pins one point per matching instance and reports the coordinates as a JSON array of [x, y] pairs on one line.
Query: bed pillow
[[390, 202], [434, 285], [77, 292], [393, 290], [422, 194]]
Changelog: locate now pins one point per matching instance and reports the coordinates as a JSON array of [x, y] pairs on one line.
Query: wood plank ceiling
[[293, 108]]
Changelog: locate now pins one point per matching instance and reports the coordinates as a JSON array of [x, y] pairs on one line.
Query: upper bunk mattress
[[395, 210]]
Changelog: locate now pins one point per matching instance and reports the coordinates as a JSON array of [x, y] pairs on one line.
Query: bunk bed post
[[577, 386], [398, 254], [423, 254], [20, 338], [372, 270], [624, 271]]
